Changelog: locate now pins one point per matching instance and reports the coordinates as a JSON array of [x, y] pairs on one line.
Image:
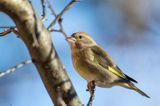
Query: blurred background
[[128, 29]]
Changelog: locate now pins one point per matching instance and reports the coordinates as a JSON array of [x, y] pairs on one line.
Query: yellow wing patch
[[116, 72]]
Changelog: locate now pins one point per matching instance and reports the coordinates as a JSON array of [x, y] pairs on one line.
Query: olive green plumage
[[94, 64]]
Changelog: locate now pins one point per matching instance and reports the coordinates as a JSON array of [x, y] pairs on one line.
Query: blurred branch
[[43, 10], [59, 16], [5, 27], [13, 69], [44, 56], [51, 9], [8, 30], [61, 28]]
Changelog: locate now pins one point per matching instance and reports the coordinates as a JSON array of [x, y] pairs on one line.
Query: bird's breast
[[78, 60]]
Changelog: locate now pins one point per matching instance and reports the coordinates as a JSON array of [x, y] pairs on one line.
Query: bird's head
[[80, 40]]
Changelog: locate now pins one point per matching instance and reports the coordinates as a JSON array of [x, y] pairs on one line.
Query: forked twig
[[58, 18], [67, 7], [8, 30], [61, 27]]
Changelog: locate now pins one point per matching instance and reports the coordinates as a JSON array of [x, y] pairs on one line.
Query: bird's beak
[[70, 39]]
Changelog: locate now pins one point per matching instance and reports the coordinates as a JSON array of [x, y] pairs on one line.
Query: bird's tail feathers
[[133, 87]]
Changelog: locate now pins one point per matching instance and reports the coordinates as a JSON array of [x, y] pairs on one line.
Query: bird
[[95, 65]]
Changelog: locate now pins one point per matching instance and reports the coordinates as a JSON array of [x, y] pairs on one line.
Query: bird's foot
[[91, 86]]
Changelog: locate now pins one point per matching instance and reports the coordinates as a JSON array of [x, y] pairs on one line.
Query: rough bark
[[44, 56]]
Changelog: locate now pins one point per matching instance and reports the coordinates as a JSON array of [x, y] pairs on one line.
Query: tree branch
[[51, 9], [59, 16], [61, 29], [9, 30], [10, 70], [91, 88], [44, 55], [43, 10]]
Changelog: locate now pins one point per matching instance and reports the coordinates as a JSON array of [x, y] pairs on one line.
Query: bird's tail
[[133, 87]]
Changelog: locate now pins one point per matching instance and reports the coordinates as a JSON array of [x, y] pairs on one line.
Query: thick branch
[[44, 55]]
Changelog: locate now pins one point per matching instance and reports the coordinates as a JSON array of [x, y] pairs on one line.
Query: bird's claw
[[91, 86]]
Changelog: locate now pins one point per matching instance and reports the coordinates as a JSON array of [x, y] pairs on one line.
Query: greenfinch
[[94, 64]]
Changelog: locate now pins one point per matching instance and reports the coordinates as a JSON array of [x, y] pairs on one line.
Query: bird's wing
[[105, 61]]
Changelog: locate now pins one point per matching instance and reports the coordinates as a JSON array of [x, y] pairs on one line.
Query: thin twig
[[59, 17], [91, 98], [61, 27], [55, 30], [67, 7], [50, 7], [9, 30], [5, 27], [13, 69], [91, 89], [43, 10], [5, 32]]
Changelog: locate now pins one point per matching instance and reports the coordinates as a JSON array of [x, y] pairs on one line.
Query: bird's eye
[[80, 37]]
